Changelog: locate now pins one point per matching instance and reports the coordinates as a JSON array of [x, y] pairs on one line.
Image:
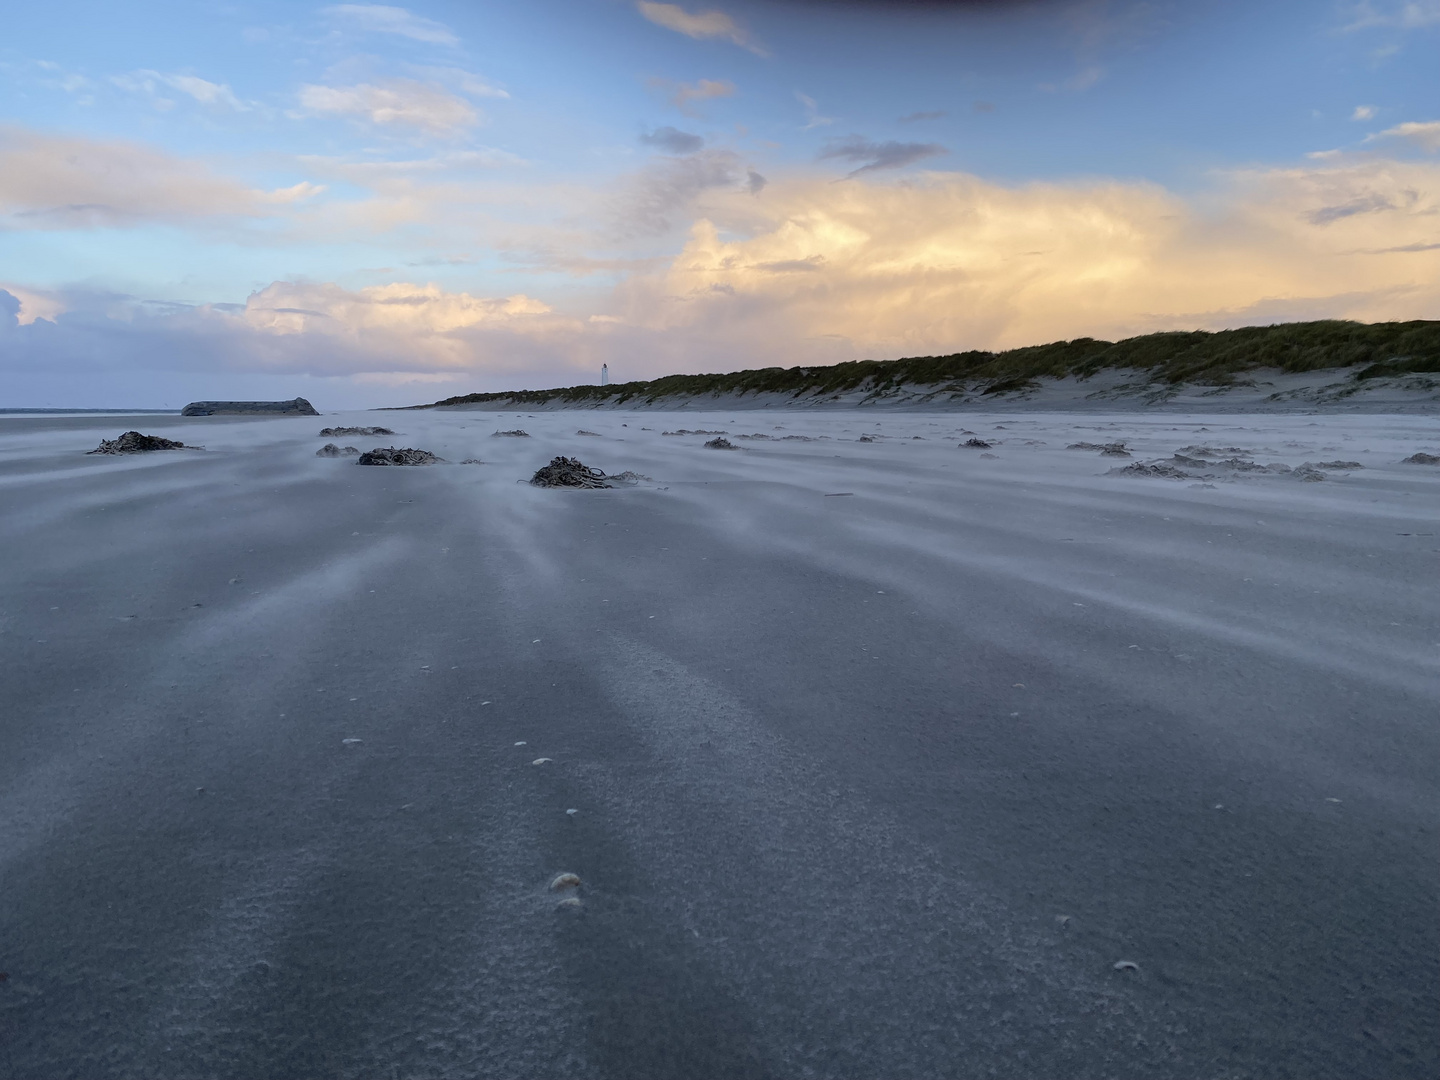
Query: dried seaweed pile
[[331, 450], [683, 431], [516, 434], [721, 443], [570, 473], [132, 442], [391, 456], [336, 432], [976, 444], [1181, 466]]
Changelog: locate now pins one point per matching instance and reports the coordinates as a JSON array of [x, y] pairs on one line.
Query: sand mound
[[335, 432], [391, 456], [132, 442], [569, 473], [331, 450]]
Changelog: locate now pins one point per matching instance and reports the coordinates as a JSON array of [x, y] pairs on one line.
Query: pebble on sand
[[565, 881]]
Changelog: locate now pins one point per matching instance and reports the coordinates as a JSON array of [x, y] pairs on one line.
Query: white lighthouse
[[604, 374]]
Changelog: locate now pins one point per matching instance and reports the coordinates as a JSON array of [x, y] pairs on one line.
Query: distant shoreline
[[89, 412]]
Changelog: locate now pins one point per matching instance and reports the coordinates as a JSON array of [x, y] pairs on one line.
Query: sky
[[371, 204]]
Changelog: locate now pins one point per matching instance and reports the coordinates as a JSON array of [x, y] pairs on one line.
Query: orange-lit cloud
[[816, 271]]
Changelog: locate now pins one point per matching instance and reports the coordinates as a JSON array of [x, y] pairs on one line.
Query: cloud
[[467, 81], [703, 24], [383, 19], [672, 141], [214, 95], [649, 202], [405, 103], [754, 182], [59, 182], [1412, 15], [916, 117], [1424, 134], [1363, 112], [1369, 203], [812, 111], [875, 156], [949, 261], [378, 173], [681, 94], [814, 272]]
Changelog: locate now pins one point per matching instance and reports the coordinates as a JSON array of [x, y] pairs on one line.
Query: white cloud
[[57, 182], [701, 24], [812, 111], [34, 303], [215, 95], [383, 19], [1424, 134], [467, 81], [1412, 15], [393, 103], [1363, 112]]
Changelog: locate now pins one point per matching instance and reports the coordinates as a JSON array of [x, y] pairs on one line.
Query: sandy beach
[[892, 757]]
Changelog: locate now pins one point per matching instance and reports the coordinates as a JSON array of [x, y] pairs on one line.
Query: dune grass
[[1172, 357]]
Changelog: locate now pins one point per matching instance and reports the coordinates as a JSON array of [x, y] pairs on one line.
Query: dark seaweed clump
[[569, 473], [391, 456], [132, 442], [336, 432]]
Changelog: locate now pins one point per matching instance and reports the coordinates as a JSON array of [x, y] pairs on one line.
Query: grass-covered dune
[[1196, 356]]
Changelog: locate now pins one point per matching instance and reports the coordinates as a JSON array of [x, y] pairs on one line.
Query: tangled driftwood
[[132, 442], [331, 450], [570, 472], [391, 456]]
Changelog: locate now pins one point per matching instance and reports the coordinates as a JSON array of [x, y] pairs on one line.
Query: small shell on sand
[[1126, 965], [565, 881], [568, 902], [541, 760]]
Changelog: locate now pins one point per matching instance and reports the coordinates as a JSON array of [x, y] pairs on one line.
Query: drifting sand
[[873, 759]]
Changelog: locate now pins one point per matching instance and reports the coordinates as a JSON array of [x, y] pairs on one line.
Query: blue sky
[[372, 204]]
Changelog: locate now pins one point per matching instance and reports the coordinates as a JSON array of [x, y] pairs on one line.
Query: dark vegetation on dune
[[1195, 356]]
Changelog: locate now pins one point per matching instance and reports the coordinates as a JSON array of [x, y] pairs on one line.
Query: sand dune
[[881, 755]]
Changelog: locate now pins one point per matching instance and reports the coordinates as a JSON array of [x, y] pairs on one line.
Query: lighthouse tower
[[604, 374]]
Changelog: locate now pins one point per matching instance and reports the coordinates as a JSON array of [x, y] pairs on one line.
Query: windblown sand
[[885, 758]]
